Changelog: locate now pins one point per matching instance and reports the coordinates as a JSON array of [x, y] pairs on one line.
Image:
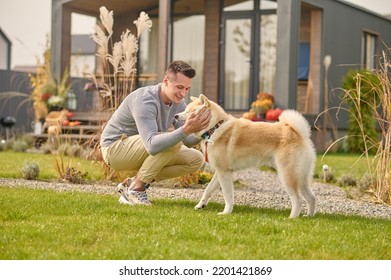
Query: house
[[243, 47], [5, 51]]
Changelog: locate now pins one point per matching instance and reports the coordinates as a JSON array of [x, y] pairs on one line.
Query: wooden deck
[[87, 132]]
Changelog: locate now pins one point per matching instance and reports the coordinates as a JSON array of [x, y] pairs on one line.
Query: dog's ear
[[204, 100], [192, 98]]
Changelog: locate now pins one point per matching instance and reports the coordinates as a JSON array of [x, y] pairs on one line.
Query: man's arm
[[154, 141]]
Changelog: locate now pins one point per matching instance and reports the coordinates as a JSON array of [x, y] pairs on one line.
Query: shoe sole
[[123, 200]]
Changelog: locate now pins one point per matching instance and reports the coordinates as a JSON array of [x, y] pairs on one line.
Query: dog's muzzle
[[181, 116]]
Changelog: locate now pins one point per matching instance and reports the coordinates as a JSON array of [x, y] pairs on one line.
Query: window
[[83, 57], [188, 39], [237, 64], [369, 42], [268, 53], [148, 55]]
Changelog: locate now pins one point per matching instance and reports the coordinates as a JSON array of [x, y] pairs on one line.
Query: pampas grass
[[378, 166], [116, 75], [383, 155], [116, 72], [143, 23]]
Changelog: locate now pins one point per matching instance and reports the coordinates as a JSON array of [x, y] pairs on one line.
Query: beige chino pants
[[129, 154]]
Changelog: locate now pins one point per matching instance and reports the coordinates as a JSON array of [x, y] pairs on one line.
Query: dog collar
[[209, 133]]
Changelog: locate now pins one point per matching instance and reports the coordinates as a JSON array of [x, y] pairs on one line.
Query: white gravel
[[261, 189]]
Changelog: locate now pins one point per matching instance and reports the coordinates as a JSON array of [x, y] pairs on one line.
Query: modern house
[[242, 47]]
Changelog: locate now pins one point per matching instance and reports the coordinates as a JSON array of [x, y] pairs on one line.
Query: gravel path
[[262, 189]]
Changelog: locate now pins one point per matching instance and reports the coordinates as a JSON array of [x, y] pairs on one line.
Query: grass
[[341, 164], [11, 163], [45, 224]]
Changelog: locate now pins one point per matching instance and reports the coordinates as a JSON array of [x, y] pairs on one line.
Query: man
[[143, 135]]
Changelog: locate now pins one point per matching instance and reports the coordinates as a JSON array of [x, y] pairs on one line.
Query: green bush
[[30, 170], [46, 148], [28, 138], [366, 183], [75, 176], [361, 89], [347, 180], [74, 150], [20, 145], [63, 149]]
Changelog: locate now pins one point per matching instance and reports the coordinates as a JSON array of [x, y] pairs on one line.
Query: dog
[[231, 144]]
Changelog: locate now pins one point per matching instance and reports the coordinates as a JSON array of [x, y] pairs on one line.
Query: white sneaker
[[122, 188], [131, 197], [138, 197], [122, 200]]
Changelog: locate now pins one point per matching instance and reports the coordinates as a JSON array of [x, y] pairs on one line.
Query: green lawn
[[45, 224], [11, 162], [342, 164]]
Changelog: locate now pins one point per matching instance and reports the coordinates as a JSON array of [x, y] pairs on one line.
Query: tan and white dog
[[232, 144]]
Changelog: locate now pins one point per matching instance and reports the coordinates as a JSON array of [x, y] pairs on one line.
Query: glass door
[[247, 52], [236, 76]]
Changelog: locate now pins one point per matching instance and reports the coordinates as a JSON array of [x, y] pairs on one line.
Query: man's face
[[176, 88]]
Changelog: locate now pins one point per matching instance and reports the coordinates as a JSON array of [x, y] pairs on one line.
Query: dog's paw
[[308, 216], [223, 213], [200, 206]]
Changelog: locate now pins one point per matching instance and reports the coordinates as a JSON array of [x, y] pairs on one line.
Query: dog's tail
[[297, 122]]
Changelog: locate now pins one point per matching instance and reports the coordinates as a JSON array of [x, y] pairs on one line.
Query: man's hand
[[196, 122]]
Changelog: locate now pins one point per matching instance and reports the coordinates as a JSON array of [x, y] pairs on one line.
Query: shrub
[[75, 176], [366, 183], [204, 177], [347, 180], [369, 99], [187, 181], [30, 170], [46, 148], [361, 92], [63, 149], [20, 145], [28, 138], [74, 151]]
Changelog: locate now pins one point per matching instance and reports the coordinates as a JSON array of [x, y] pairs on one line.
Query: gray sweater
[[143, 112]]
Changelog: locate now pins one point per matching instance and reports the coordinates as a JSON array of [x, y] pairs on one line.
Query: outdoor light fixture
[[7, 122], [71, 101]]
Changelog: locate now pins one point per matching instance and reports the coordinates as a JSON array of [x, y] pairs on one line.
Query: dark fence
[[20, 106]]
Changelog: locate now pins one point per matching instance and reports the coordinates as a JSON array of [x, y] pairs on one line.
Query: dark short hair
[[179, 66]]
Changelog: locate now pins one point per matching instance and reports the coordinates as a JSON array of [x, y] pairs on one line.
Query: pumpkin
[[249, 115], [273, 114]]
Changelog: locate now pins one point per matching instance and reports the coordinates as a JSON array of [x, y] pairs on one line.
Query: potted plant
[[263, 103]]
